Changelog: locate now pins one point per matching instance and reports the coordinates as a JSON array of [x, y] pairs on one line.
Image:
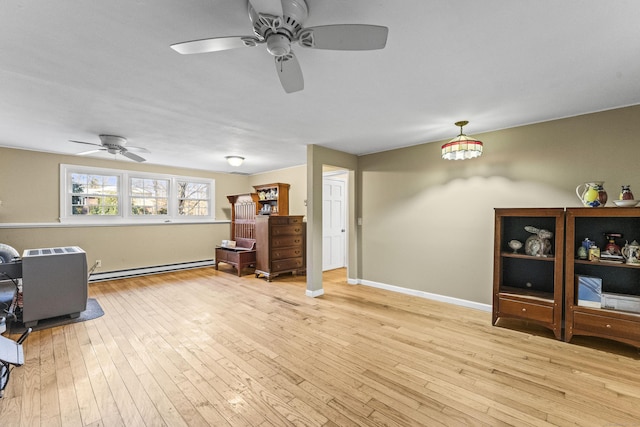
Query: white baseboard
[[313, 294], [143, 271], [427, 295], [121, 274]]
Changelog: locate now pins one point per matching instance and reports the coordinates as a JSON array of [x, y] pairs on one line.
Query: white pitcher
[[592, 194]]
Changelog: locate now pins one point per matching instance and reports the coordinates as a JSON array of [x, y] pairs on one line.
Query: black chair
[[10, 355]]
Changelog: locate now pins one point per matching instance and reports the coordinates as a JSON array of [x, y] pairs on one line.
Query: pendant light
[[462, 147]]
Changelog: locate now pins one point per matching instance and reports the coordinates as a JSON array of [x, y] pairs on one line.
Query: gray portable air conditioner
[[54, 283]]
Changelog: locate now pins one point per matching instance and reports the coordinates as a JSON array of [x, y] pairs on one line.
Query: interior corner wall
[[428, 222], [317, 158], [29, 190]]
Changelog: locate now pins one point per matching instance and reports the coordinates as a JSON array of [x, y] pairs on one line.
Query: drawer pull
[[608, 326], [524, 309]]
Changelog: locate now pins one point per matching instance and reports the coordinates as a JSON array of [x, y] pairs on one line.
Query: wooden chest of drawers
[[280, 245]]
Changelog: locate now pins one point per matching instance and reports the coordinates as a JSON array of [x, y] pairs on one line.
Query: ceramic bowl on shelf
[[626, 203], [515, 245]]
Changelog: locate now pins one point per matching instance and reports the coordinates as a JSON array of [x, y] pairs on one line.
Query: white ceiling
[[72, 69]]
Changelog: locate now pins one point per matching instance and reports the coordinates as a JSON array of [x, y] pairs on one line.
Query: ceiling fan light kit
[[462, 147], [278, 23]]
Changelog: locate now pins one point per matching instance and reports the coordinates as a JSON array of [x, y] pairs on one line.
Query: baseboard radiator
[[144, 271]]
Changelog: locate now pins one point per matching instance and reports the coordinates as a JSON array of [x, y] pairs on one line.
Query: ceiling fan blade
[[137, 149], [84, 153], [268, 7], [214, 44], [132, 156], [88, 143], [344, 37], [289, 72]]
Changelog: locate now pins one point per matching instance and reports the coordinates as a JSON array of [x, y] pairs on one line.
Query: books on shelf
[[589, 291]]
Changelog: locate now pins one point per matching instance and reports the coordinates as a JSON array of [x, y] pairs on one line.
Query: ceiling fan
[[114, 145], [278, 23]]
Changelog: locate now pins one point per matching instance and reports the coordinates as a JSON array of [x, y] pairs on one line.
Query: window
[[193, 198], [95, 195], [149, 196]]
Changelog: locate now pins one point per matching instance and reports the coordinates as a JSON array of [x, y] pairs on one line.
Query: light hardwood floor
[[204, 347]]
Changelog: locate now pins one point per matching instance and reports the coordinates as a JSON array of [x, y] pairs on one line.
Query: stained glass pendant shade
[[462, 147]]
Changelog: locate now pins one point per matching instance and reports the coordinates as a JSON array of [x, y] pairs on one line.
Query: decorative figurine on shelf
[[539, 244], [592, 194], [625, 193], [587, 243], [611, 251], [515, 245], [631, 253], [266, 210], [582, 252], [611, 248]]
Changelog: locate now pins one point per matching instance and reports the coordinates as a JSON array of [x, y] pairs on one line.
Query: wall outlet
[[98, 263]]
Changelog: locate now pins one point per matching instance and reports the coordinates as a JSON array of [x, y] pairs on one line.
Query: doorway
[[334, 232]]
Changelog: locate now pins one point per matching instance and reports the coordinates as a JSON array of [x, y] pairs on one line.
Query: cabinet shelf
[[273, 199], [528, 287], [606, 264], [512, 291], [610, 312], [529, 257], [617, 278]]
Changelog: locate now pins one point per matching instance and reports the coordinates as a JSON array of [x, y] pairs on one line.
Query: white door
[[333, 224]]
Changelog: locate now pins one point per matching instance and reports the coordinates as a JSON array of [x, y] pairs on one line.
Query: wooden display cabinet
[[527, 287], [617, 278], [273, 199]]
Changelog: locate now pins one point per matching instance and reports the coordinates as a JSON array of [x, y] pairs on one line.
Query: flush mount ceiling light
[[234, 160], [462, 147]]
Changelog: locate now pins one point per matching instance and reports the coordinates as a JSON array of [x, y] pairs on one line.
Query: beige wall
[[123, 248], [29, 190], [428, 223]]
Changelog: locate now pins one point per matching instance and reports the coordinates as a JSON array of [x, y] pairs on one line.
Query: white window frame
[[132, 196], [125, 216], [177, 199]]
